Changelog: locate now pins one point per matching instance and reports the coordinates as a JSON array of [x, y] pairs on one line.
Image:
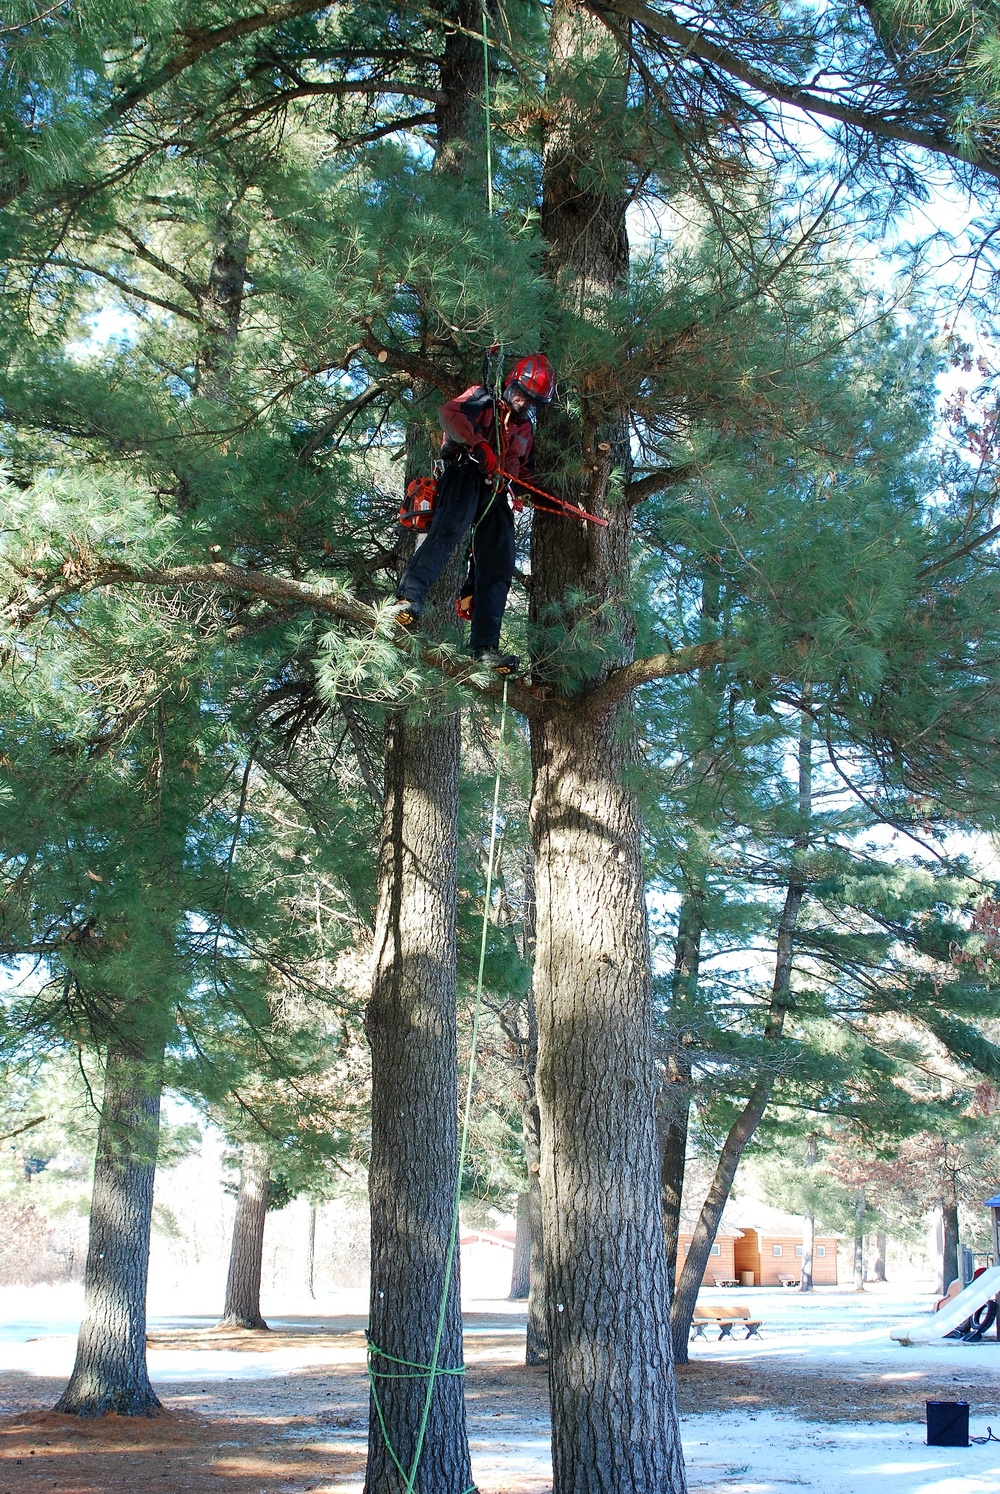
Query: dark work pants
[[463, 499]]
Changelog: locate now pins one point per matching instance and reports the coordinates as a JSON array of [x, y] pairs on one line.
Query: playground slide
[[933, 1325]]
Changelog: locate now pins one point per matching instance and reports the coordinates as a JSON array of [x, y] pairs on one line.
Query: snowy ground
[[834, 1338]]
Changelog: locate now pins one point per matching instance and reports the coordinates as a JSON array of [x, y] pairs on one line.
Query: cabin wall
[[755, 1252], [720, 1262]]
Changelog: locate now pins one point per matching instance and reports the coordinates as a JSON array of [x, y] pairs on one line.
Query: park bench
[[788, 1281], [725, 1319], [725, 1281]]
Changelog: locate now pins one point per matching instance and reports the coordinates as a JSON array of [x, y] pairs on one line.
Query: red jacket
[[468, 420]]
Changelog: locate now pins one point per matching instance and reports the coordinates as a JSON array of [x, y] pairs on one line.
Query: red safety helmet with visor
[[534, 377]]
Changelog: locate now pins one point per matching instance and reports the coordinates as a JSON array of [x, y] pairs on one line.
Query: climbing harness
[[404, 1369]]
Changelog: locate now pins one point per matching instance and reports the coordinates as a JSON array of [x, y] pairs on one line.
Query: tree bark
[[110, 1373], [611, 1377], [859, 1240], [536, 1339], [520, 1276], [749, 1118], [950, 1269], [413, 1175], [242, 1309], [311, 1252], [221, 306], [808, 1227], [676, 1090], [411, 1021], [614, 1418], [881, 1245], [536, 1345], [673, 1103]]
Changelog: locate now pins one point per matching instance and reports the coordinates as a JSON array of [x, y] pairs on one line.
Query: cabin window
[[687, 1247], [775, 1249], [799, 1251], [716, 1249], [821, 1251]]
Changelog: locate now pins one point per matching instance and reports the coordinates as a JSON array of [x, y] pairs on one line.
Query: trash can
[[746, 1278]]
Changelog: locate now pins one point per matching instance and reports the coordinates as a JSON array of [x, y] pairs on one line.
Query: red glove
[[487, 456]]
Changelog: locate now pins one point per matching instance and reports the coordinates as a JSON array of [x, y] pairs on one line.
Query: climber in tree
[[485, 442]]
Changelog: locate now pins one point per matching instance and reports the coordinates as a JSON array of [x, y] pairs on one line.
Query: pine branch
[[200, 44], [656, 667], [77, 578], [28, 1125], [658, 482], [879, 122]]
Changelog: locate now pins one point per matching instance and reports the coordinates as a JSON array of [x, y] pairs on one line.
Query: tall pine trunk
[[950, 1267], [411, 1016], [676, 1087], [808, 1226], [311, 1252], [878, 1265], [242, 1309], [520, 1275], [614, 1418], [110, 1373], [611, 1379], [859, 1240], [673, 1104], [536, 1338], [536, 1345], [412, 1180], [743, 1128]]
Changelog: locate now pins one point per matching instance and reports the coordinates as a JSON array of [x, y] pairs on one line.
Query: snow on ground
[[765, 1453], [834, 1333]]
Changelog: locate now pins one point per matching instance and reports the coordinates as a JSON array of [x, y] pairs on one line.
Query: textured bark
[[411, 1028], [614, 1419], [221, 305], [311, 1253], [536, 1346], [611, 1377], [878, 1265], [459, 114], [673, 1103], [950, 1269], [749, 1118], [413, 1172], [536, 1338], [520, 1276], [242, 1309], [110, 1374], [859, 1240], [808, 1227]]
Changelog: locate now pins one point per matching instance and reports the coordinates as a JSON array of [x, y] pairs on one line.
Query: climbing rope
[[405, 1369]]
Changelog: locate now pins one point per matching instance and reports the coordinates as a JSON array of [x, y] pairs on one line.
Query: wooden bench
[[788, 1281], [725, 1281], [725, 1319]]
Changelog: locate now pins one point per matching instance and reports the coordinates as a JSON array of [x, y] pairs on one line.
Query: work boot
[[498, 663], [406, 613]]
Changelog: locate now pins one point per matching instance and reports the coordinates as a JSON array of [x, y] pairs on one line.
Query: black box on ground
[[947, 1423]]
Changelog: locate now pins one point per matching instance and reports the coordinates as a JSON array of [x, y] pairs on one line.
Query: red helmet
[[535, 377]]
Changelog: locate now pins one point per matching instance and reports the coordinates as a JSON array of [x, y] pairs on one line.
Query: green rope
[[489, 127], [432, 1371]]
